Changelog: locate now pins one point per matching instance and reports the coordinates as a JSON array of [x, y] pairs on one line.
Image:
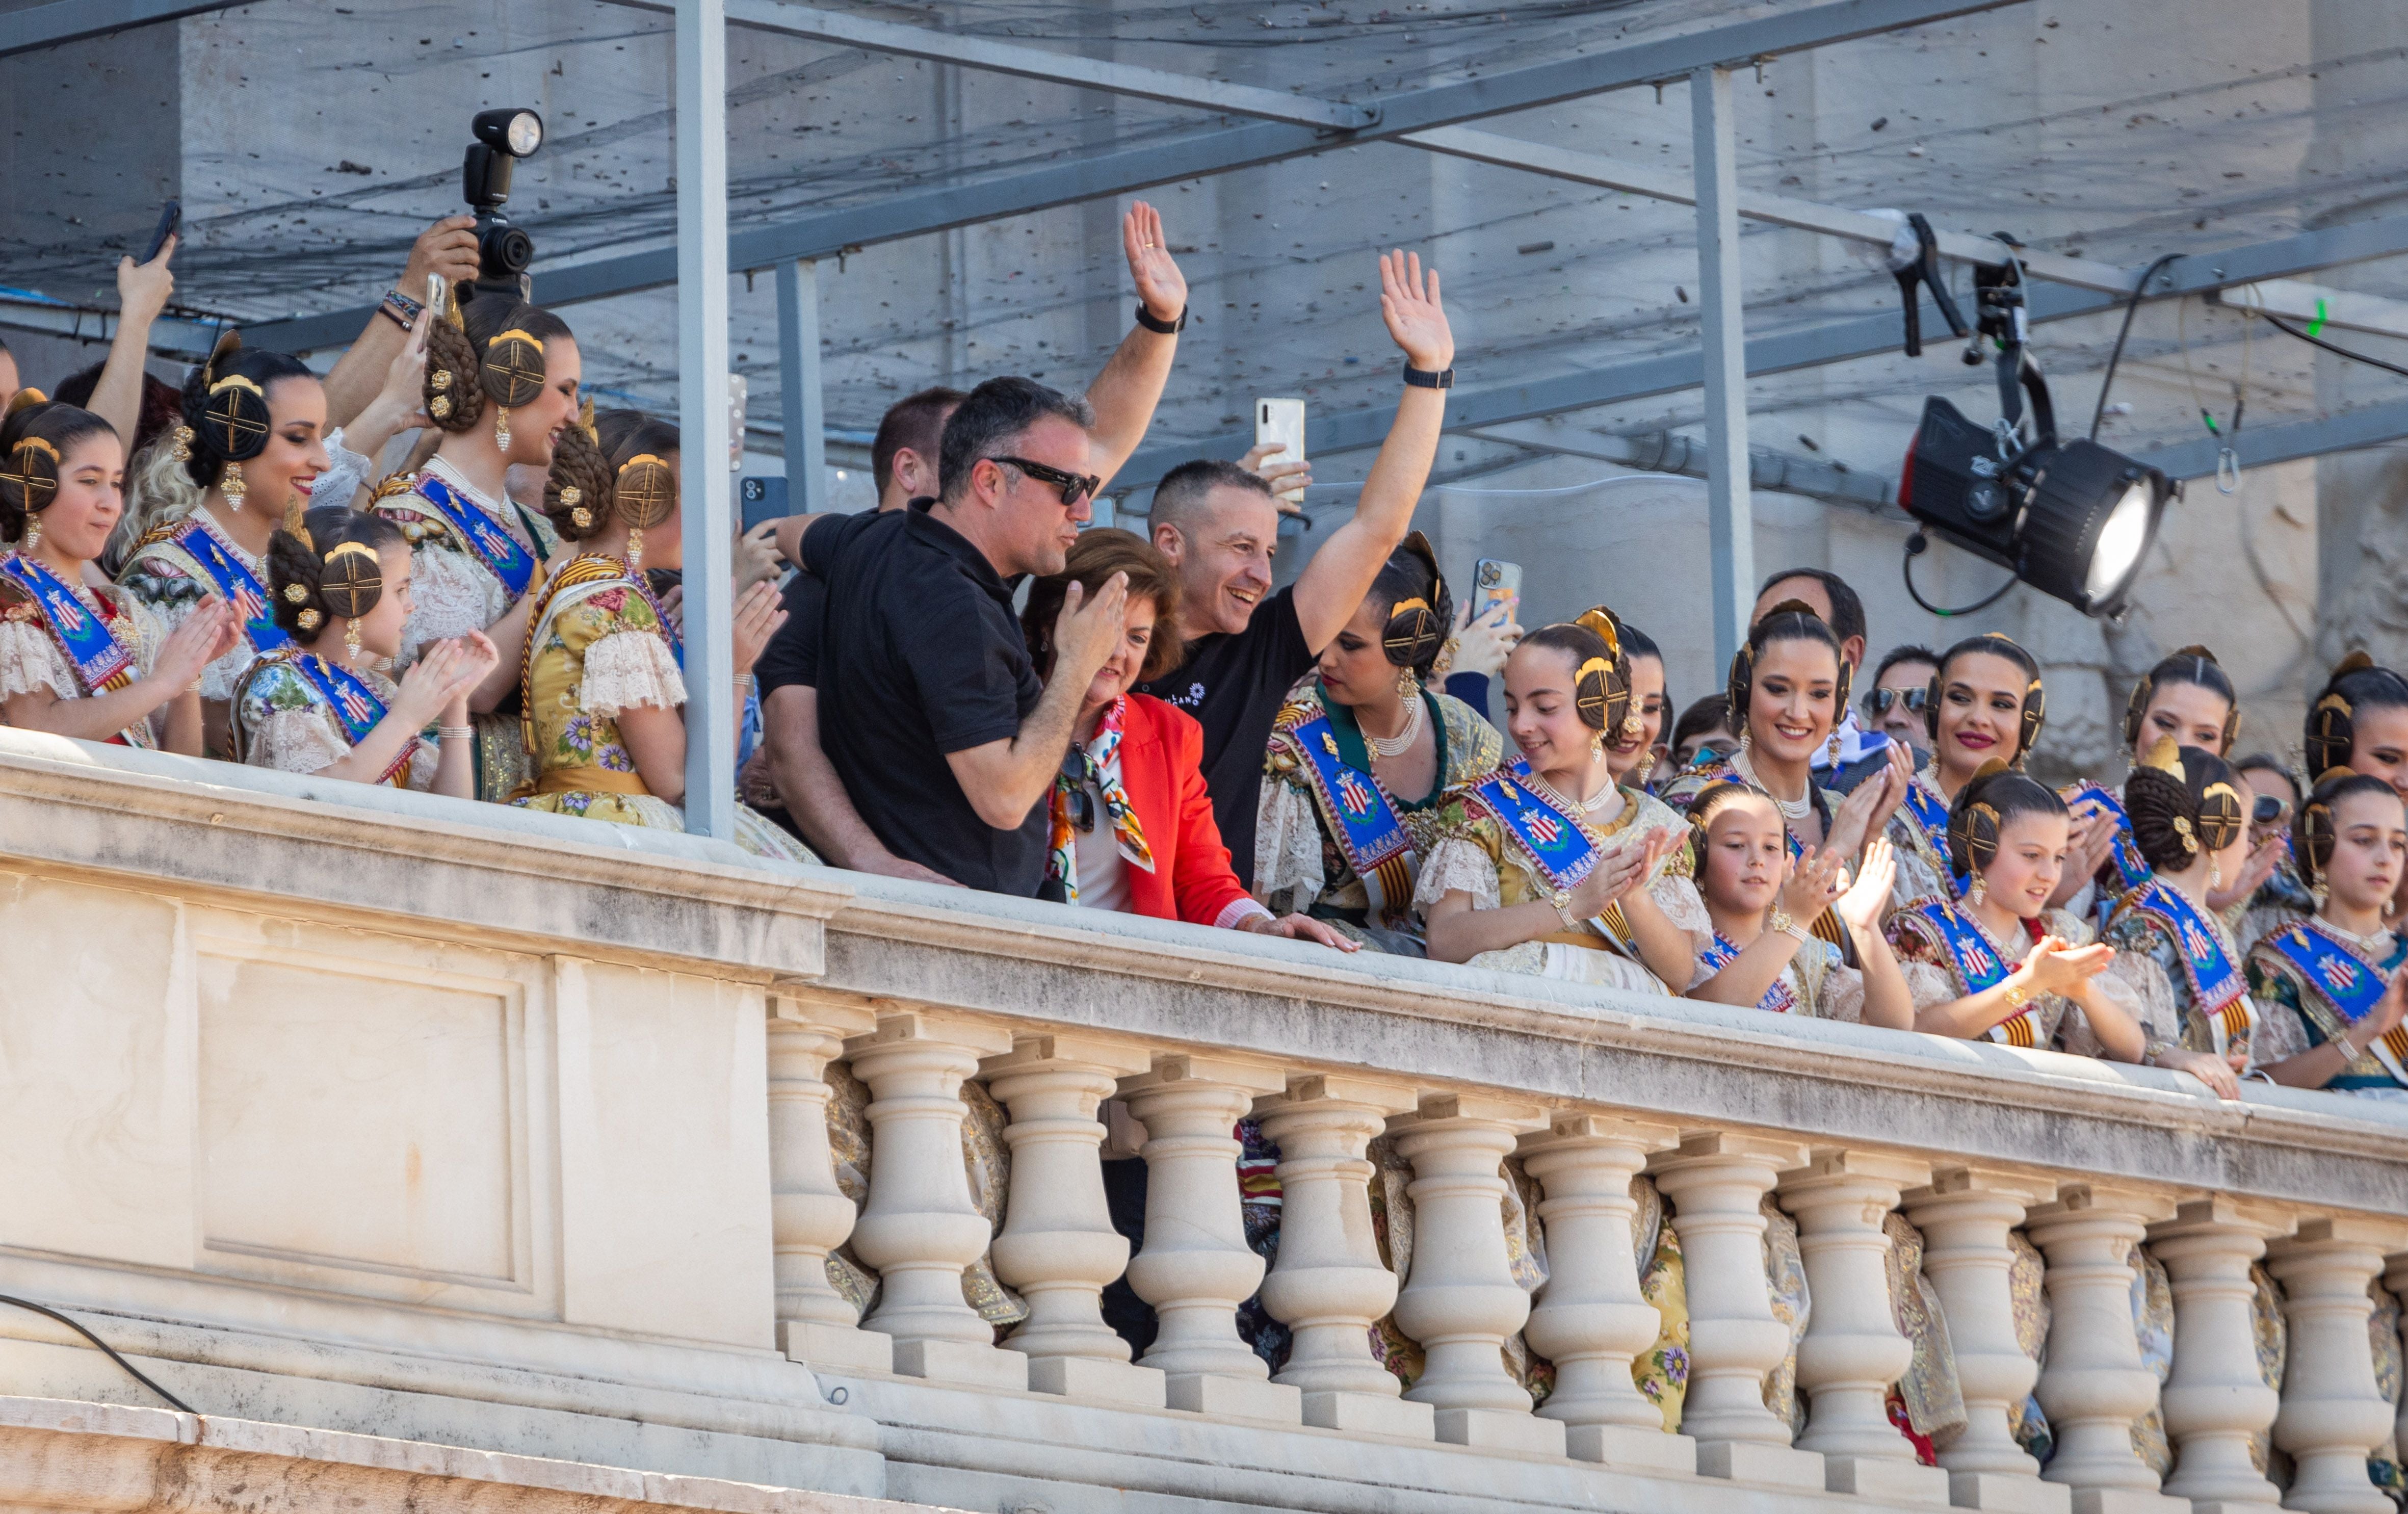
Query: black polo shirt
[[1234, 685], [920, 655]]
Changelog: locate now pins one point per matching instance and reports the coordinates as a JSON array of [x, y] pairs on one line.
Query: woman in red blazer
[[1132, 823]]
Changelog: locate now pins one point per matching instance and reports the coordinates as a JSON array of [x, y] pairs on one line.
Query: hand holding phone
[[171, 217], [1494, 581], [1280, 423]]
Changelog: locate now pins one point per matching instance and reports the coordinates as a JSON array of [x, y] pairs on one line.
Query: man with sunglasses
[[1901, 689]]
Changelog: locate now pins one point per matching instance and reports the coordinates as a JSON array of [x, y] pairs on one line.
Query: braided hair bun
[[2315, 830], [1420, 612], [578, 494], [2183, 800], [1985, 806], [491, 349], [332, 565], [1600, 673], [36, 437], [224, 406]]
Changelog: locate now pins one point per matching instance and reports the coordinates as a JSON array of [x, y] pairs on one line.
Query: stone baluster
[[1057, 1246], [1461, 1300], [1965, 1216], [1328, 1285], [2095, 1384], [2333, 1412], [809, 1214], [1716, 1183], [1852, 1352], [2217, 1401], [1195, 1268], [920, 1229], [2395, 1277], [1590, 1319]]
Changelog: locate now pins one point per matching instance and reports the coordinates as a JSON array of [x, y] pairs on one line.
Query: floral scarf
[[1062, 853]]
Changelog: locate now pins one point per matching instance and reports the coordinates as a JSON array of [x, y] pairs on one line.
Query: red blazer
[[1162, 768]]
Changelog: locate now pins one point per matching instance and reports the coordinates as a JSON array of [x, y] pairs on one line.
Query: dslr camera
[[504, 252]]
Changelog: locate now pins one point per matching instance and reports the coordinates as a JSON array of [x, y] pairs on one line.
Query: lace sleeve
[[346, 473], [451, 598], [1843, 996], [2138, 986], [1679, 899], [1926, 984], [29, 664], [629, 669], [1453, 863], [295, 741], [1287, 846]]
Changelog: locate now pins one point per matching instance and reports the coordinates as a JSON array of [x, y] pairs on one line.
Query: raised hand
[[2054, 966], [432, 683], [1617, 871], [207, 633], [448, 247], [758, 615], [1159, 282], [2092, 838], [1288, 480], [1813, 882], [1862, 905], [143, 288], [1087, 630], [1483, 642], [1408, 303], [1867, 808], [2260, 866], [756, 556]]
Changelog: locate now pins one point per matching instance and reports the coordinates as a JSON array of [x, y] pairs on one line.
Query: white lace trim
[[347, 474], [296, 741], [1238, 911], [2137, 985], [1927, 985], [629, 669], [1287, 846], [451, 596], [1457, 864], [1843, 996], [29, 663], [1682, 903]]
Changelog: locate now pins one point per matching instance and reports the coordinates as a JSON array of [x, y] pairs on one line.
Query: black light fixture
[[503, 136], [2075, 519]]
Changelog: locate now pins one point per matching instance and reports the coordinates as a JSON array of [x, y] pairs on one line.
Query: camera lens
[[505, 249]]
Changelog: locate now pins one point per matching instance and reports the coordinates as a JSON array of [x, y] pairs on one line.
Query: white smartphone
[[438, 295], [1493, 582], [1280, 422], [739, 396]]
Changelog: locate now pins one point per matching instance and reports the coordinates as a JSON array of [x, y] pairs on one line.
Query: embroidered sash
[[1722, 951], [583, 575], [1979, 966], [2130, 865], [102, 662], [496, 548], [1365, 824], [1930, 813], [2349, 984], [233, 581], [1557, 844], [355, 706], [2219, 993]]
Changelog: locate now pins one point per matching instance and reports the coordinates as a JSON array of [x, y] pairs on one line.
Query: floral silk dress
[[33, 658], [284, 717]]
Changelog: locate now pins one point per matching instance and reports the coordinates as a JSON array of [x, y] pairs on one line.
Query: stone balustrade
[[377, 1115]]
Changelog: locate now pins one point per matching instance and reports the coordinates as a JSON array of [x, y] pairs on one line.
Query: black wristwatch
[[1161, 328], [1424, 378]]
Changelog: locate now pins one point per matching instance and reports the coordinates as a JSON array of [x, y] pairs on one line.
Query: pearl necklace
[[1795, 809], [1402, 741]]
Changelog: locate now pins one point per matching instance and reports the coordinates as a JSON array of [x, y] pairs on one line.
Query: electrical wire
[[131, 1370], [1914, 549], [2282, 326], [2107, 380]]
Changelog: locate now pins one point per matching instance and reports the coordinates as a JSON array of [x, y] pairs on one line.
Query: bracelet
[[456, 733], [1424, 378], [1159, 327], [744, 680], [2017, 997], [1564, 913]]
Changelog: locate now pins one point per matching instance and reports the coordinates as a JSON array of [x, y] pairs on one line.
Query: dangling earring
[[1408, 687], [1978, 891], [1595, 745], [1647, 765], [635, 550], [502, 427], [351, 640], [2215, 873], [2319, 891], [1832, 748], [33, 533], [230, 485]]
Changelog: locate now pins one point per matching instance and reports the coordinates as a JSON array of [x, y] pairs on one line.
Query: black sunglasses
[[1074, 486], [1878, 701], [2268, 809], [1078, 771]]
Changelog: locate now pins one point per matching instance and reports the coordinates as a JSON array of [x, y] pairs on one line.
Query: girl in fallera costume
[[2177, 970], [1360, 758], [1630, 750], [248, 448], [1762, 955], [600, 688], [1999, 963], [501, 386], [74, 660], [1548, 866], [2359, 721], [2330, 988], [1985, 706], [339, 581]]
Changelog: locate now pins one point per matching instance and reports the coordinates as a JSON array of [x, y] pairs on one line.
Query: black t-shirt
[[919, 656], [792, 655], [1234, 684]]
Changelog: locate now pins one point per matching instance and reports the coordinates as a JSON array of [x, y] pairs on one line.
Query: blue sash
[[2130, 865], [2219, 993], [102, 662], [1557, 844], [355, 706], [494, 547], [1930, 812], [2346, 980], [1722, 951], [1979, 967], [235, 583], [1368, 830]]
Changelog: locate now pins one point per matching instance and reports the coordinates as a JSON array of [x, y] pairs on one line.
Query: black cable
[[132, 1371], [2116, 356], [1914, 547], [2286, 328]]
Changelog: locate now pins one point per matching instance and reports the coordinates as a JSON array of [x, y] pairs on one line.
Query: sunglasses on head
[[2268, 809], [1078, 772], [1074, 486], [1878, 701]]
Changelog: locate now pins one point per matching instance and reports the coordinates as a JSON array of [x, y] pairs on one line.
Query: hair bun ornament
[[2166, 757], [25, 399], [1974, 826], [351, 581], [1606, 625], [513, 369], [646, 493], [1417, 623], [31, 478], [2220, 816], [1602, 699], [2333, 730]]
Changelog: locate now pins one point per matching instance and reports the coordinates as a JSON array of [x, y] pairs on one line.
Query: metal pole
[[704, 416], [798, 385], [1730, 518]]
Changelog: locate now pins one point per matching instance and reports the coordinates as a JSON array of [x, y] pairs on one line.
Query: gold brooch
[[571, 496], [295, 593], [310, 620], [442, 379], [583, 517], [441, 407]]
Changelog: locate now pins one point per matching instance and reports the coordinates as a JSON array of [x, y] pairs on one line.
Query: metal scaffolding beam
[[2262, 446], [706, 419], [72, 21], [941, 206], [1722, 345]]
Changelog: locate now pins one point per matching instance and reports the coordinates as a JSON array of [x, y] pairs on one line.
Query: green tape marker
[[2316, 327]]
